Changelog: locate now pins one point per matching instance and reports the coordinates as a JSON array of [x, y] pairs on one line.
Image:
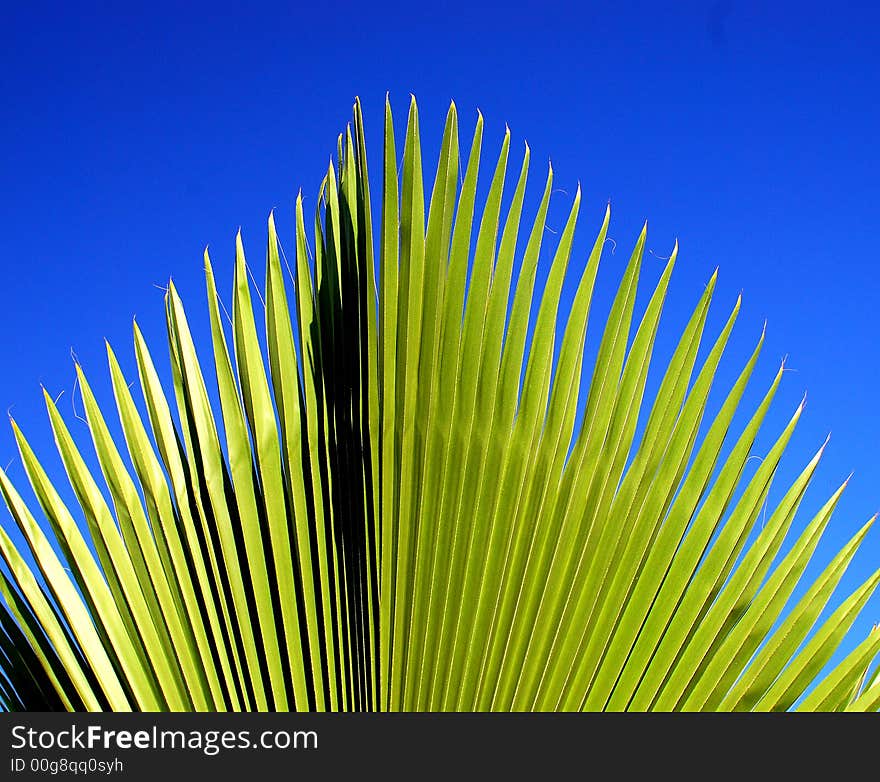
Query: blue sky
[[133, 138]]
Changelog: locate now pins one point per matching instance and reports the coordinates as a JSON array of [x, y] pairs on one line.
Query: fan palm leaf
[[406, 499]]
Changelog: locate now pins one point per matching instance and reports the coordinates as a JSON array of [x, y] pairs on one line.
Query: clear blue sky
[[748, 130]]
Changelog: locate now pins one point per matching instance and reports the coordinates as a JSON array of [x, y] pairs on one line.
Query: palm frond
[[405, 497]]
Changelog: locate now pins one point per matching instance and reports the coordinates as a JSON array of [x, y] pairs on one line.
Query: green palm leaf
[[407, 499]]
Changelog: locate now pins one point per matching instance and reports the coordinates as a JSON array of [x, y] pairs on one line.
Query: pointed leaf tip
[[172, 291]]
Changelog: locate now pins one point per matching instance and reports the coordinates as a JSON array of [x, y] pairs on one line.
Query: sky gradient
[[132, 139]]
